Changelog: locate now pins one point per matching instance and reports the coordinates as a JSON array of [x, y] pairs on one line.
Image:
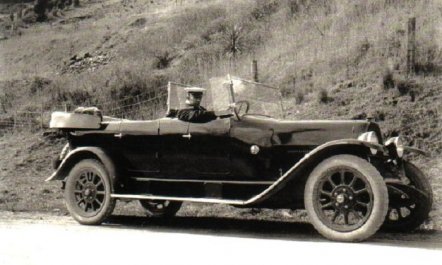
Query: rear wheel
[[160, 208], [88, 193], [346, 198], [408, 214]]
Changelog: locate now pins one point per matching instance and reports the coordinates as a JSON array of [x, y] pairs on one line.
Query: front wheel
[[346, 198], [407, 215], [88, 192]]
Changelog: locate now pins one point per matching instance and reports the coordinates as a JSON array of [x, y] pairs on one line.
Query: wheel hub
[[89, 193], [340, 198], [343, 197]]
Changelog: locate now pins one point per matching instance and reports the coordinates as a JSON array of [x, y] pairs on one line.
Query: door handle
[[118, 135], [188, 136]]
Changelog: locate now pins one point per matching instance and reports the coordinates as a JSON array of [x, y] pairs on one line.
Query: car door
[[139, 147], [194, 151], [209, 149], [173, 148]]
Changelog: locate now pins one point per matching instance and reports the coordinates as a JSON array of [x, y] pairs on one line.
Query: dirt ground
[[196, 240]]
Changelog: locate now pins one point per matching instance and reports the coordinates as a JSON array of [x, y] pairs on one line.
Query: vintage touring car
[[350, 181]]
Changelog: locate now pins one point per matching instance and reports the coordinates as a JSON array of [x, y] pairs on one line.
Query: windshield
[[263, 99], [223, 91]]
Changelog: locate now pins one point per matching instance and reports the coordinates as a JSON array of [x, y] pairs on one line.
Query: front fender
[[350, 143], [84, 153], [349, 146]]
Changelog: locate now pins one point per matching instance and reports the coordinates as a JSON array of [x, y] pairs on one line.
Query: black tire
[[409, 217], [346, 198], [88, 192], [160, 208]]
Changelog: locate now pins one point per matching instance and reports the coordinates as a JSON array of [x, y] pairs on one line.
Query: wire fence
[[147, 105], [144, 106]]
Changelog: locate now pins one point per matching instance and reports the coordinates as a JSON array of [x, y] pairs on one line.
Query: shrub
[[214, 28], [6, 99], [264, 9], [38, 84], [79, 97], [237, 33], [387, 80], [404, 86], [323, 95], [378, 115], [427, 68], [192, 42], [65, 91], [131, 84], [163, 58], [202, 21], [299, 96], [40, 9]]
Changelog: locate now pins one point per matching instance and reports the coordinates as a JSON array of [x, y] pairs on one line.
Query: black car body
[[350, 181]]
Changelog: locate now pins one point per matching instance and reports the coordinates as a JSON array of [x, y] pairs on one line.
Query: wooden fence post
[[411, 45], [41, 117], [15, 120], [11, 16], [255, 71]]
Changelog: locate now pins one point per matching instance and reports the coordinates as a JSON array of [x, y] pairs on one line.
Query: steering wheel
[[239, 106]]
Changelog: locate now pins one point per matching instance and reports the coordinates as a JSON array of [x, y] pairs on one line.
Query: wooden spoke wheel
[[346, 198], [88, 192]]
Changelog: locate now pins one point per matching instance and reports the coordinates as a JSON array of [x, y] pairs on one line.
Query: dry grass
[[25, 163], [308, 47], [331, 40]]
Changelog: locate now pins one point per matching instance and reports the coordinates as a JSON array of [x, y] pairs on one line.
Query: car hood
[[270, 132]]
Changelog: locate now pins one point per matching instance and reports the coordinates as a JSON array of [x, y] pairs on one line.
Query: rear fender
[[81, 153], [314, 157]]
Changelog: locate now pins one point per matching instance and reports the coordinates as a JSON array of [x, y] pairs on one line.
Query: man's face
[[194, 99]]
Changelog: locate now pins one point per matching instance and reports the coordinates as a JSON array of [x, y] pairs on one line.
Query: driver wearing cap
[[194, 112]]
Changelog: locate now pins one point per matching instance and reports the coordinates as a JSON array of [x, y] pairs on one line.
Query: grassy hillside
[[315, 51]]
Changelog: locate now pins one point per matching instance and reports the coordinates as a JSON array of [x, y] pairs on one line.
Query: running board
[[239, 182], [182, 199]]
